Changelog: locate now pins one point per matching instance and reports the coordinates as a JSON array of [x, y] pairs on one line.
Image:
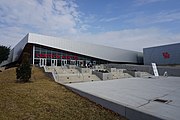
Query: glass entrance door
[[72, 62], [88, 63], [53, 62], [80, 62], [63, 62], [42, 62]]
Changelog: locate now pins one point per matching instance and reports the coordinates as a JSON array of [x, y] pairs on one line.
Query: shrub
[[23, 72], [4, 52]]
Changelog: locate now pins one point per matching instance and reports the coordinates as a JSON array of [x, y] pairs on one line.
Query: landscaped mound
[[44, 99]]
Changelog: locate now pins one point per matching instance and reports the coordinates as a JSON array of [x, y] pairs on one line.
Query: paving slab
[[136, 95]]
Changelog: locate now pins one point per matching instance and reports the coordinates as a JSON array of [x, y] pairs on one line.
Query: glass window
[[48, 62], [37, 54], [48, 51], [36, 61], [42, 49], [37, 48], [71, 58], [58, 62]]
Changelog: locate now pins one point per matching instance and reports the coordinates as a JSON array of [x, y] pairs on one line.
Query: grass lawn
[[43, 99]]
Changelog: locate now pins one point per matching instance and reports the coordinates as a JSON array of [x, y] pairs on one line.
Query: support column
[[33, 53]]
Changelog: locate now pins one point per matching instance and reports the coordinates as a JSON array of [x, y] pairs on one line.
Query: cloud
[[131, 39], [10, 36], [50, 17], [161, 17], [109, 19], [143, 19], [143, 2], [62, 18]]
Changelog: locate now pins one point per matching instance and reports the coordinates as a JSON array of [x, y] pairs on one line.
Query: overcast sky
[[127, 24]]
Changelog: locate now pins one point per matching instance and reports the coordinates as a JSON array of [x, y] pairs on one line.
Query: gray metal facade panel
[[162, 55], [92, 50], [19, 48]]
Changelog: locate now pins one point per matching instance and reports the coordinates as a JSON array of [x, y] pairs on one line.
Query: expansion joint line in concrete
[[152, 100], [144, 104]]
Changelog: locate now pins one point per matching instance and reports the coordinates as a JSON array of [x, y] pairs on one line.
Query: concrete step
[[121, 75]]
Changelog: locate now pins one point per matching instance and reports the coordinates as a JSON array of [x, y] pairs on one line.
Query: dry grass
[[44, 99]]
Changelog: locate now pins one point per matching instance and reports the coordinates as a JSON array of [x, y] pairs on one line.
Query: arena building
[[53, 51]]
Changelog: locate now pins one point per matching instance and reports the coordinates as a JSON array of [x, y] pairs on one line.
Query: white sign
[[155, 69]]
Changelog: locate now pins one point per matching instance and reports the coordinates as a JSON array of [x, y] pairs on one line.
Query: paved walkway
[[145, 95]]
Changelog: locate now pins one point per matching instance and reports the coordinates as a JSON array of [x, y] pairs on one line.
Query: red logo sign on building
[[166, 55]]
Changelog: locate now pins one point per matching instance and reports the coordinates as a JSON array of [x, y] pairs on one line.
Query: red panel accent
[[63, 57], [56, 56]]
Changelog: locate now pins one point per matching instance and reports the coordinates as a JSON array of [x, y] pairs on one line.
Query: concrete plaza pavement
[[135, 98]]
